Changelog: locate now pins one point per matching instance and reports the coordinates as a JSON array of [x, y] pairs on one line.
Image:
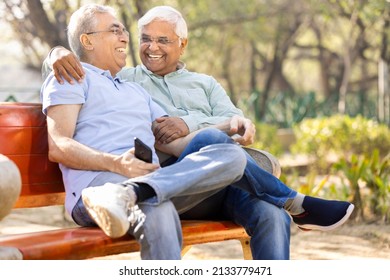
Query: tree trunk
[[226, 74], [344, 83], [45, 30], [383, 74]]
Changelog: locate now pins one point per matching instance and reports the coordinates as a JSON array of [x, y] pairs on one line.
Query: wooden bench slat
[[47, 199], [20, 114], [83, 243], [20, 144], [37, 172]]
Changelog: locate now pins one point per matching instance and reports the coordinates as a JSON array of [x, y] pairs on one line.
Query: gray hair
[[168, 14], [82, 21]]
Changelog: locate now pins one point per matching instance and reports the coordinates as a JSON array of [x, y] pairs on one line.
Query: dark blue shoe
[[321, 214]]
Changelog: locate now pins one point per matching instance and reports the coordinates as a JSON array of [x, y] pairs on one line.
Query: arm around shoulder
[[65, 64]]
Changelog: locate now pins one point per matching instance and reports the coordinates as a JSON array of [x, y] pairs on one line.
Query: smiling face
[[161, 58], [105, 49]]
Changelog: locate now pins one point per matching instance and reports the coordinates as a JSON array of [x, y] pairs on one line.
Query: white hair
[[168, 14]]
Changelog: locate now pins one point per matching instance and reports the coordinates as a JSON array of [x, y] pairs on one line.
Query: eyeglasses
[[162, 41], [116, 31]]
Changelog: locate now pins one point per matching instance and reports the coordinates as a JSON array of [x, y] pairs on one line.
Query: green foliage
[[315, 185], [377, 178], [372, 172], [10, 98], [361, 150], [353, 171], [286, 110], [340, 135], [307, 185]]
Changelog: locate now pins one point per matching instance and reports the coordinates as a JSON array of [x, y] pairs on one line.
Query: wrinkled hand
[[66, 65], [128, 165], [242, 130], [167, 129]]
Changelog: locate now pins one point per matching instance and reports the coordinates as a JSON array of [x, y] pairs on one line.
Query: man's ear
[[183, 45], [87, 44]]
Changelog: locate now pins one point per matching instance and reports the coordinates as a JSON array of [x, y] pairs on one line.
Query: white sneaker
[[109, 206]]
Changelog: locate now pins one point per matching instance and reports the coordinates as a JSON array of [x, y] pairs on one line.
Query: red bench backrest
[[23, 139]]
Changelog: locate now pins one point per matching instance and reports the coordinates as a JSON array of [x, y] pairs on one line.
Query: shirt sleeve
[[222, 108], [53, 93]]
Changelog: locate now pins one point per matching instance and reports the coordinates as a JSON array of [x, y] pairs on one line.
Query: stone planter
[[10, 185]]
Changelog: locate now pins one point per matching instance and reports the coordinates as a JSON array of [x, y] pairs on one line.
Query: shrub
[[368, 173], [341, 135]]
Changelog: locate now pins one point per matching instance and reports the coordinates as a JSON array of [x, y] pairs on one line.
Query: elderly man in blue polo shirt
[[91, 128]]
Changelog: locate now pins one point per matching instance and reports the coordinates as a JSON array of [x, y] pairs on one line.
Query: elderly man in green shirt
[[194, 101]]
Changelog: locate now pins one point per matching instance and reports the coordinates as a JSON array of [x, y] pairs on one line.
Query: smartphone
[[142, 151]]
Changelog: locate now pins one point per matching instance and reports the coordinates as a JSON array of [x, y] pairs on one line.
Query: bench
[[23, 135]]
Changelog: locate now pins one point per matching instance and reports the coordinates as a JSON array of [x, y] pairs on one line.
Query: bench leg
[[246, 248], [185, 250]]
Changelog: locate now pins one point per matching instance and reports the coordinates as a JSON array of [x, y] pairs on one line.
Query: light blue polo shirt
[[113, 113]]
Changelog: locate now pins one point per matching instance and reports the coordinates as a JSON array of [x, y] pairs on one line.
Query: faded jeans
[[160, 235], [254, 202], [194, 178]]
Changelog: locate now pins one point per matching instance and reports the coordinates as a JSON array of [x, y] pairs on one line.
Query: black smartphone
[[142, 151]]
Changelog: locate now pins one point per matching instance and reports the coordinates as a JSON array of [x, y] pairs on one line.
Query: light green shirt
[[196, 98]]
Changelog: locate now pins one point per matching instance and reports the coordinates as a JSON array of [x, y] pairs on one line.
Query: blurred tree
[[33, 26], [349, 45]]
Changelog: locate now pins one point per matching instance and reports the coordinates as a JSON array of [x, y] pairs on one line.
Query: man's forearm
[[195, 121], [223, 126], [78, 156], [177, 146]]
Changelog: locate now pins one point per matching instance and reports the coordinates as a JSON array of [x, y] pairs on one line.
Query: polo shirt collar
[[181, 67], [102, 72]]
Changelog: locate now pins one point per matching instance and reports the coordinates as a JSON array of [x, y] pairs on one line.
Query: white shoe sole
[[265, 160], [331, 227], [110, 222]]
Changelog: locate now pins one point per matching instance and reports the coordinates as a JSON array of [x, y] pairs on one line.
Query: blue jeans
[[256, 180], [160, 235], [266, 224], [189, 181], [254, 202]]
